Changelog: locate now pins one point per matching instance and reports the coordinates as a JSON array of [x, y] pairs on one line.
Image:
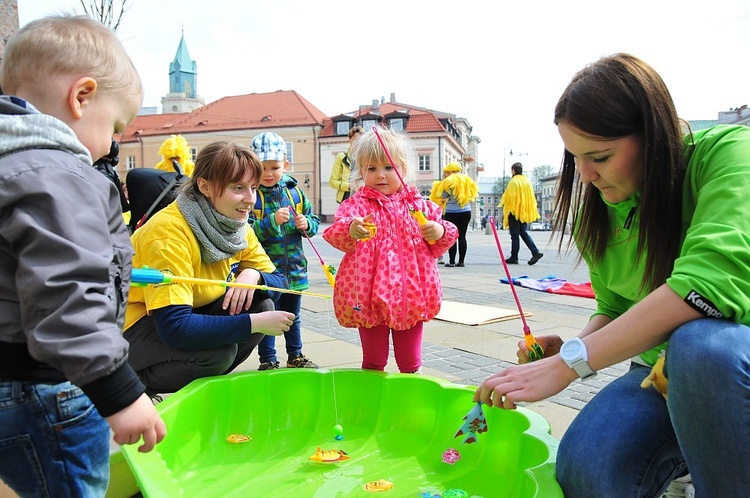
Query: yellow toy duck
[[656, 378]]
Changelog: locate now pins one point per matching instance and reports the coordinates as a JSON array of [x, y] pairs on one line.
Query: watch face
[[571, 349]]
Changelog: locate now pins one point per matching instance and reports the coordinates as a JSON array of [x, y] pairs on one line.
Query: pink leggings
[[407, 347]]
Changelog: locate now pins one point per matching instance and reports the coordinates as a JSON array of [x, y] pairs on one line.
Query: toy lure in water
[[535, 350], [474, 424], [329, 456], [149, 276], [418, 215]]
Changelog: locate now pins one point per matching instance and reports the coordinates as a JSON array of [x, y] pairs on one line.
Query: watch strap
[[583, 369]]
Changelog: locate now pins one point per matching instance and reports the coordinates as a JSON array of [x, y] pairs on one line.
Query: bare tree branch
[[105, 11]]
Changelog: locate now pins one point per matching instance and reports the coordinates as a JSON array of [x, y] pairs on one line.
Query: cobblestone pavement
[[477, 283]]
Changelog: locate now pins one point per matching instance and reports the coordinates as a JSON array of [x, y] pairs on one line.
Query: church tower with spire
[[183, 73]]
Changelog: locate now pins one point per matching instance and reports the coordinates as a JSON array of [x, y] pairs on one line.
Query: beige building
[[8, 22], [313, 139], [439, 138]]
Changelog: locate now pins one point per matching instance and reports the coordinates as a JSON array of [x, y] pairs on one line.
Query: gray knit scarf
[[219, 237]]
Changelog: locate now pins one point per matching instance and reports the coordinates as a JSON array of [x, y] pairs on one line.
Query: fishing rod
[[535, 350], [150, 276]]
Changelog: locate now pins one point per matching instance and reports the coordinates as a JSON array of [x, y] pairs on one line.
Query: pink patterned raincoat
[[392, 277]]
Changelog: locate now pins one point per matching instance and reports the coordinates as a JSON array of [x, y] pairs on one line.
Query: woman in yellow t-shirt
[[180, 332]]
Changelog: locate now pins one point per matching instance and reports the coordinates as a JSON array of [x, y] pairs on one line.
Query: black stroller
[[149, 190]]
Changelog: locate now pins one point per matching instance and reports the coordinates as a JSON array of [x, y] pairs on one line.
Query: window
[[396, 124], [193, 153], [290, 155], [130, 162], [368, 124], [342, 127], [424, 162]]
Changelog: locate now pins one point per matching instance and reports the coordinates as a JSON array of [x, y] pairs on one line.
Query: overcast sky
[[500, 64]]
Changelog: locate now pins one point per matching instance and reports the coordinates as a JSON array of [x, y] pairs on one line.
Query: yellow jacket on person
[[519, 199], [339, 180], [461, 187]]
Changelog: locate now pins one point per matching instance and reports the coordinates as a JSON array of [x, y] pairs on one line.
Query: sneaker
[[460, 265], [441, 261], [536, 257], [512, 261], [156, 399], [269, 365], [449, 265], [682, 487], [300, 361]]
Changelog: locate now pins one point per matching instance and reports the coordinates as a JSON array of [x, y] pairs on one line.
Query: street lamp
[[510, 152], [505, 154]]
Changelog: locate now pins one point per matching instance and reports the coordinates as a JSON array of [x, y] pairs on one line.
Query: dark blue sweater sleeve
[[179, 328], [275, 279]]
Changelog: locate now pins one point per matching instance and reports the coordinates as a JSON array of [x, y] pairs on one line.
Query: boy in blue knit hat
[[281, 216]]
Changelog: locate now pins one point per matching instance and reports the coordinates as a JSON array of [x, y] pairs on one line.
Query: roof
[[702, 124], [420, 120], [282, 108]]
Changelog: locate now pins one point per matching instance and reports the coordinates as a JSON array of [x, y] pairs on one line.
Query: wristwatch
[[575, 355]]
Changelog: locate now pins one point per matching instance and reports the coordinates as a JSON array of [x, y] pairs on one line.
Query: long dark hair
[[616, 97]]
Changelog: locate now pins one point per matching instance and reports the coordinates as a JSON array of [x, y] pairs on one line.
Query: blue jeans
[[629, 442], [293, 337], [53, 442], [518, 230]]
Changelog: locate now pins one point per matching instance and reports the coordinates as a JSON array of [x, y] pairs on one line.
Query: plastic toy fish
[[372, 228], [238, 438], [329, 456], [451, 456], [455, 493], [379, 485], [451, 493], [474, 424]]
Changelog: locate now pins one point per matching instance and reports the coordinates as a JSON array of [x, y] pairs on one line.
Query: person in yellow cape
[[454, 193], [519, 209], [176, 147]]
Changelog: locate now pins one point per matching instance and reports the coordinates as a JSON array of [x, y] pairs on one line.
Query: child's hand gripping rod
[[535, 350], [149, 276], [418, 215]]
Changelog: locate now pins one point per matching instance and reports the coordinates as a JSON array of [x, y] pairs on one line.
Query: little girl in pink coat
[[388, 282]]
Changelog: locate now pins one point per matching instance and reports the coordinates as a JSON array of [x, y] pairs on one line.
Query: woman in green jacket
[[662, 221]]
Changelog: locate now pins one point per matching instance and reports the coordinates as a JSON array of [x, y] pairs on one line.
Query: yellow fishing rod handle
[[419, 216]]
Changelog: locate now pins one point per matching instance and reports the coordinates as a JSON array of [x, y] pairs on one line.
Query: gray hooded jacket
[[65, 263]]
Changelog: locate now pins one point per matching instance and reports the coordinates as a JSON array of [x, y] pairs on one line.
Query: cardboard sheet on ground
[[475, 314]]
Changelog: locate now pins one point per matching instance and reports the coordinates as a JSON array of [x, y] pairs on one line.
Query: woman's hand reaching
[[529, 382]]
